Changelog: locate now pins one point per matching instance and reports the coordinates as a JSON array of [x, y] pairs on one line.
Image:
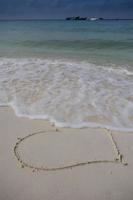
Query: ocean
[[74, 73]]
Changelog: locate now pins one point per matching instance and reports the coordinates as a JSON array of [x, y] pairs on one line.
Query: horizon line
[[28, 19]]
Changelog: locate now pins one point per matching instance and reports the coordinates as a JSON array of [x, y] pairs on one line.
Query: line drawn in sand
[[119, 158]]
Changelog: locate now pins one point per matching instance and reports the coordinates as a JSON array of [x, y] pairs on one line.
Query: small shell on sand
[[116, 159], [125, 163]]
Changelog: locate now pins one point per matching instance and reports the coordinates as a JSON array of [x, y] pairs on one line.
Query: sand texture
[[39, 161]]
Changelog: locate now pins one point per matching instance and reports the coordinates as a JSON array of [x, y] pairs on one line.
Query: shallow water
[[76, 74]]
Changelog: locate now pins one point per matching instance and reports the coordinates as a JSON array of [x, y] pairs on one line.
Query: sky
[[56, 9]]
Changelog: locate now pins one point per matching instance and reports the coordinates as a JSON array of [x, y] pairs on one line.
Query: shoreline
[[61, 125]]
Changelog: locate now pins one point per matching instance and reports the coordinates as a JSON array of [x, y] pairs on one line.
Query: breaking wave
[[71, 94]]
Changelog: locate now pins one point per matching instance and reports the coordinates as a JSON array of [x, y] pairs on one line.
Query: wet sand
[[39, 161]]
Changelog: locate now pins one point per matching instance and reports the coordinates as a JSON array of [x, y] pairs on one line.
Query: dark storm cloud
[[62, 8]]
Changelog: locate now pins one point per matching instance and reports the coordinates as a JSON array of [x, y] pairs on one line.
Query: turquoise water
[[107, 41], [73, 73]]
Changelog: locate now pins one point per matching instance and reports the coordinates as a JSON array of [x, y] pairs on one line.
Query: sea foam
[[71, 94]]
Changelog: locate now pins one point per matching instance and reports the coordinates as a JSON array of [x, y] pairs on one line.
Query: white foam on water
[[71, 94]]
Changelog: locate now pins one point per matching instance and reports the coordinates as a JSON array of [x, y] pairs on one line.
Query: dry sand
[[102, 179]]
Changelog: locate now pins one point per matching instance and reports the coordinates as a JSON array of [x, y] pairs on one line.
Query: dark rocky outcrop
[[83, 18]]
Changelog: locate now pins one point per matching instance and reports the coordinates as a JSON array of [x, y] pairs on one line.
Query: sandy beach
[[56, 148]]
